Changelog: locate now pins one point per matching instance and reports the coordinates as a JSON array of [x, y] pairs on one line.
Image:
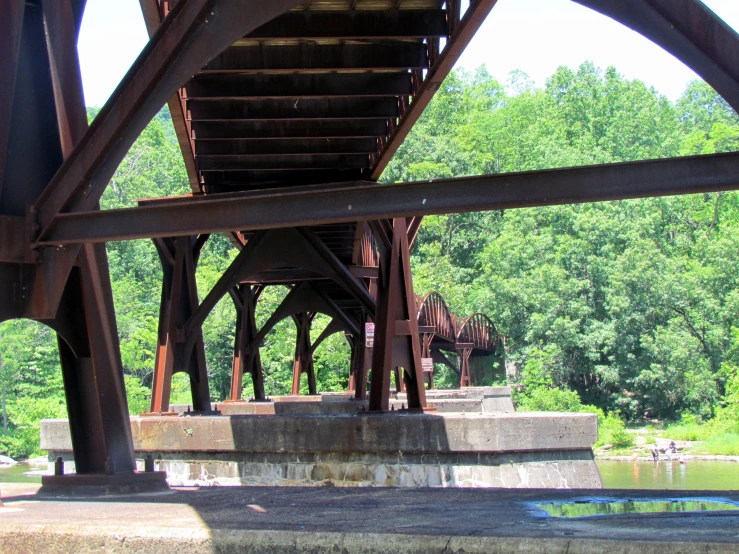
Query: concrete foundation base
[[101, 485], [524, 450]]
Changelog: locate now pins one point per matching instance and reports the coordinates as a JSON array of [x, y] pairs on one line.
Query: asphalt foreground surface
[[351, 520]]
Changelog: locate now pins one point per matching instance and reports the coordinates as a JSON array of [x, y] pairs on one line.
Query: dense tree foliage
[[629, 306]]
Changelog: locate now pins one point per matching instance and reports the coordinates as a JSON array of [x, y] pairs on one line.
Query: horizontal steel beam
[[230, 181], [268, 130], [364, 24], [366, 200], [293, 109], [286, 147], [290, 276], [310, 56], [281, 161], [320, 85]]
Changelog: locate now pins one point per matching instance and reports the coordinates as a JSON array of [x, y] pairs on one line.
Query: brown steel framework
[[440, 330], [287, 112]]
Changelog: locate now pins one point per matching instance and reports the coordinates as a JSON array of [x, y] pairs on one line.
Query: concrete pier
[[522, 450]]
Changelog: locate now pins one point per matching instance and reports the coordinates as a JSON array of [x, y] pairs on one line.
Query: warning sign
[[369, 335], [427, 364]]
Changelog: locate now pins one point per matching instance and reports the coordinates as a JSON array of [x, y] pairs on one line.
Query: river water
[[694, 475]]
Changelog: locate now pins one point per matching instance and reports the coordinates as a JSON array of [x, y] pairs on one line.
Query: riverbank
[[663, 458], [645, 438]]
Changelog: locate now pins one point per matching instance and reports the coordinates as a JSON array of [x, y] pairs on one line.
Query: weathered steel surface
[[303, 104], [179, 258], [366, 200]]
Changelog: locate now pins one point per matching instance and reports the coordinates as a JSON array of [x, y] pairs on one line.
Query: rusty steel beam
[[313, 205], [319, 57], [688, 30], [362, 24], [189, 36], [352, 283], [352, 109], [11, 29], [281, 161], [251, 147], [302, 85], [230, 181], [153, 16], [61, 40], [275, 130], [462, 34]]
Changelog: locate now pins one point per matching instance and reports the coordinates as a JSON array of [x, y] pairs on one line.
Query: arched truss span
[[478, 330], [433, 312]]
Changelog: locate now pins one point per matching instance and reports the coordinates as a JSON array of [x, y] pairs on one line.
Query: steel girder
[[347, 202]]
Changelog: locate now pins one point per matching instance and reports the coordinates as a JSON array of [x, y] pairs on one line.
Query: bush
[[25, 415], [550, 400], [613, 431], [139, 397]]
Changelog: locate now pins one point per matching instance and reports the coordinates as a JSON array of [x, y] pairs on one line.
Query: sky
[[535, 36]]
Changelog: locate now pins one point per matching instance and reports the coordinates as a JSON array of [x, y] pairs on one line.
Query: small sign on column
[[369, 335], [427, 364]]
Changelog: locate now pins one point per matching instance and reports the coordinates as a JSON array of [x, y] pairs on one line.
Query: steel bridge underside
[[286, 113]]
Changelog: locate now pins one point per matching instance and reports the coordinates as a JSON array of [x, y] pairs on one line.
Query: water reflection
[[693, 475], [584, 509]]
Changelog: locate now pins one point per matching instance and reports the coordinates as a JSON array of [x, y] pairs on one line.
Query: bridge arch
[[479, 330], [434, 312]]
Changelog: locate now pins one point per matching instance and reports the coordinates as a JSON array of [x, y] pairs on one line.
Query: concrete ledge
[[408, 433], [470, 399], [89, 541]]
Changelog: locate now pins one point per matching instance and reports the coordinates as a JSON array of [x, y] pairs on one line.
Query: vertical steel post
[[90, 353], [179, 300], [396, 333], [426, 339], [303, 361], [464, 367], [246, 351]]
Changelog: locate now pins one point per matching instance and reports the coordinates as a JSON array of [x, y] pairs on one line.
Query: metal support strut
[[179, 257]]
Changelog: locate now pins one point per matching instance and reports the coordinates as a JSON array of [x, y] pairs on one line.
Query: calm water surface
[[693, 475], [15, 474]]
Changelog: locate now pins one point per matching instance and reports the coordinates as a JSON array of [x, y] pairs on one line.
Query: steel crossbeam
[[312, 205]]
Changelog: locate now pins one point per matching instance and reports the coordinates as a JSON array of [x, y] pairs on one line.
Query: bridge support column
[[464, 365], [361, 358], [92, 370], [246, 352], [179, 258], [303, 353], [396, 334]]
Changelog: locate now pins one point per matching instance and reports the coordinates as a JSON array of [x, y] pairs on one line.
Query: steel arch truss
[[440, 330]]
